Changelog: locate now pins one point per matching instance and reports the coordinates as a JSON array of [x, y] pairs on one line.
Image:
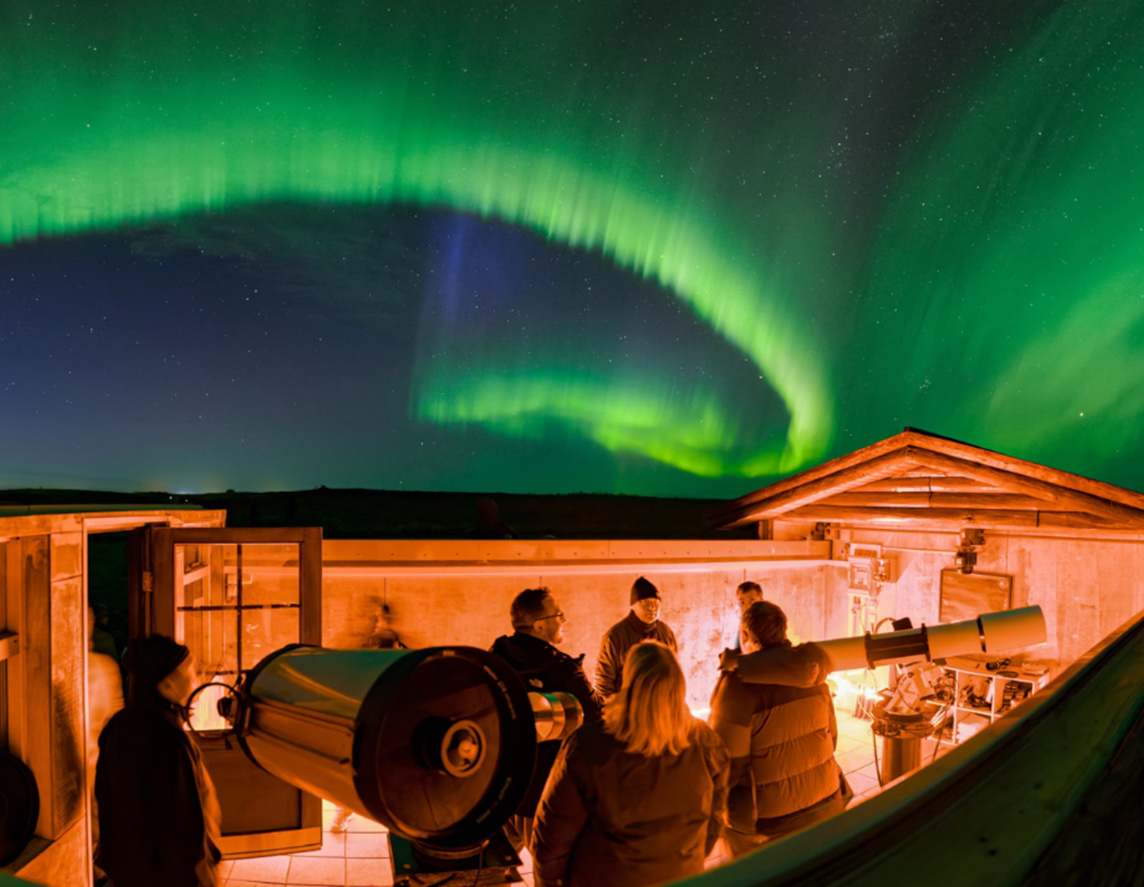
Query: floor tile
[[364, 824], [224, 868], [863, 780], [332, 845], [853, 760], [317, 872], [855, 743], [265, 870], [366, 844], [368, 873]]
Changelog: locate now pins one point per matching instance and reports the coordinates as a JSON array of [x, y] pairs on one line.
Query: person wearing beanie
[[158, 812], [641, 624]]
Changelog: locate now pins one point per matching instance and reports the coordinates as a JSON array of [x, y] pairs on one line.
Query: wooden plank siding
[[916, 478]]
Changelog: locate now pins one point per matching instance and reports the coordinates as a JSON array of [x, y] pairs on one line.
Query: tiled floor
[[856, 755], [359, 857]]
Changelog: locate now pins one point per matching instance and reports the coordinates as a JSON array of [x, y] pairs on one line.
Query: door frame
[[152, 585]]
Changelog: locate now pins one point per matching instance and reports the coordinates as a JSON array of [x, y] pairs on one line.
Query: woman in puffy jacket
[[636, 799]]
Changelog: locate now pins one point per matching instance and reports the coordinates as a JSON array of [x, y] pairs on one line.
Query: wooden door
[[233, 596]]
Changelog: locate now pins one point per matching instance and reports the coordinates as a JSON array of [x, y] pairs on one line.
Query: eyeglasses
[[557, 615]]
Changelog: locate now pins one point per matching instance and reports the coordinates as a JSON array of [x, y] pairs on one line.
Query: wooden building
[[916, 526], [43, 669], [926, 527]]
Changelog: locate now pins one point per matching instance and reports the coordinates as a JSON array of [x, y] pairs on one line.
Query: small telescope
[[436, 744], [988, 633]]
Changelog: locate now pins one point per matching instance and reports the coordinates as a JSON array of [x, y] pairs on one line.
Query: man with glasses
[[538, 625]]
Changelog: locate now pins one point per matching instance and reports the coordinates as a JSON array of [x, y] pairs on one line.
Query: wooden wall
[[44, 589], [438, 602], [47, 698], [1087, 584]]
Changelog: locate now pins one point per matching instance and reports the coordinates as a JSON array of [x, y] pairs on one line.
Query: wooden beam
[[963, 453], [834, 466], [913, 516], [1075, 521], [948, 517], [931, 485], [1041, 487], [993, 501], [848, 477], [924, 471]]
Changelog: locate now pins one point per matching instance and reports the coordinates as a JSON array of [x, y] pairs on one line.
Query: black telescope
[[436, 744]]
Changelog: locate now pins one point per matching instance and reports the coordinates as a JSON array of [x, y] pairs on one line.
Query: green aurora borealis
[[956, 246]]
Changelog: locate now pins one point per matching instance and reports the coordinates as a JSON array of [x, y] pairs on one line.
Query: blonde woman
[[637, 798]]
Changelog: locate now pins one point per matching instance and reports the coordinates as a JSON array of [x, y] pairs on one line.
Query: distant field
[[378, 514]]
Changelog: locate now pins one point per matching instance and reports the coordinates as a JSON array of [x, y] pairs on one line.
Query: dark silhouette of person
[[489, 525], [158, 812]]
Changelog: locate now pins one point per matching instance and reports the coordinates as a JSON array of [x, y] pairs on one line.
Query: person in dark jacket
[[641, 624], [531, 651], [158, 812], [635, 799], [776, 716]]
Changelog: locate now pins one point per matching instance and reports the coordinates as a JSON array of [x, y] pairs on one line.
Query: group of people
[[642, 792], [638, 795]]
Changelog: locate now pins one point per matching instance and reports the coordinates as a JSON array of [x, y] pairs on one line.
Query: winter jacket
[[546, 669], [781, 736], [609, 818], [620, 638], [158, 813]]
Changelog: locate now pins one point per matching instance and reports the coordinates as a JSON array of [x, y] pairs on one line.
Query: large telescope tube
[[988, 633], [436, 744]]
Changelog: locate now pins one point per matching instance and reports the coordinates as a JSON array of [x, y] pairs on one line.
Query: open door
[[233, 596]]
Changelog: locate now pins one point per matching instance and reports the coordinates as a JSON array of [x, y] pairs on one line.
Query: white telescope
[[988, 633]]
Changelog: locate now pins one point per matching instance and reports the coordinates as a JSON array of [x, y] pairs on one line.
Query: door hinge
[[148, 581]]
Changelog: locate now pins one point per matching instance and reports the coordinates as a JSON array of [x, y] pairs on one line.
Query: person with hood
[[773, 710], [642, 623], [532, 652], [158, 812], [635, 799]]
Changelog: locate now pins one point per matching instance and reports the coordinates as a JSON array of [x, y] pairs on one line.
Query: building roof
[[921, 478]]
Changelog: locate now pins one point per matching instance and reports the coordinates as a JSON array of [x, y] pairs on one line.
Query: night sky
[[657, 248]]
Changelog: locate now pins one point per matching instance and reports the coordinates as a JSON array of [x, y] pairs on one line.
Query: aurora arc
[[129, 150]]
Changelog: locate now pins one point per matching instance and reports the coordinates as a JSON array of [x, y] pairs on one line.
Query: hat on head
[[151, 659], [642, 589]]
